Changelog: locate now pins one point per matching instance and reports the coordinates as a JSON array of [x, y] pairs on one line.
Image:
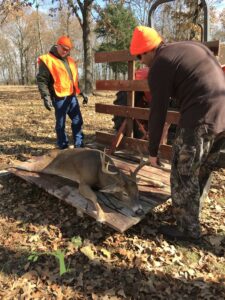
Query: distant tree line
[[28, 31]]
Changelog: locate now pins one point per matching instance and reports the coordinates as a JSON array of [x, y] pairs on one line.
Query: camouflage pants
[[195, 155]]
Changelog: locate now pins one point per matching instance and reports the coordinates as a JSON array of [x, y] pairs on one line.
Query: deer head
[[124, 185]]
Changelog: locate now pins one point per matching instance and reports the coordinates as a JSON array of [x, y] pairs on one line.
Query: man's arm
[[44, 79], [160, 82], [85, 98]]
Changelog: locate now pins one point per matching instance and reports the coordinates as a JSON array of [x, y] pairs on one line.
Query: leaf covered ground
[[48, 252]]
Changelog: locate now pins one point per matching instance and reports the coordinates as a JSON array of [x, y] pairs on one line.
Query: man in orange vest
[[57, 81], [188, 72]]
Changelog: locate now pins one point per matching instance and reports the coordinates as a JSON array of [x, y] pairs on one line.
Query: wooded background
[[30, 28]]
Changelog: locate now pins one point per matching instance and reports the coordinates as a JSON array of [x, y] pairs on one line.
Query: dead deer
[[91, 169]]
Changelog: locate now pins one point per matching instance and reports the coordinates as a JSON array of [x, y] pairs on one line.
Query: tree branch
[[81, 5], [75, 10]]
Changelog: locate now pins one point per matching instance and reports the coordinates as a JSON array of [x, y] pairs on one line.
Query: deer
[[91, 169]]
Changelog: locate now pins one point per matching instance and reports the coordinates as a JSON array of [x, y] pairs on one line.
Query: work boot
[[80, 145], [174, 232], [64, 147]]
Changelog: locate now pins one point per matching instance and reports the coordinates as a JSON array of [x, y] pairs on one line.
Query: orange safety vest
[[63, 85]]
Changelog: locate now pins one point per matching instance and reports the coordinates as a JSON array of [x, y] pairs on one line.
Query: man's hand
[[85, 100], [153, 161], [47, 103]]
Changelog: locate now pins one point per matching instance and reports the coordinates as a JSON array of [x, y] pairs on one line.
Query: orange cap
[[144, 39], [65, 41]]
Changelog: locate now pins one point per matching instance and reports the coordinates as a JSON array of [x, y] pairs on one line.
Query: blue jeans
[[68, 106]]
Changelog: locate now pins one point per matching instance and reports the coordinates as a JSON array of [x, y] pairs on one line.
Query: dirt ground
[[48, 252]]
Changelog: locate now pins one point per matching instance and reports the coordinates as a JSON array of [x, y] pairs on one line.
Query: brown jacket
[[188, 72]]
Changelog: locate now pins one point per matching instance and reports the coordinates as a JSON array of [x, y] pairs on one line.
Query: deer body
[[88, 168]]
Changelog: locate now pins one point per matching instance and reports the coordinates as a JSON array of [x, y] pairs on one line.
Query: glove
[[47, 103], [85, 100]]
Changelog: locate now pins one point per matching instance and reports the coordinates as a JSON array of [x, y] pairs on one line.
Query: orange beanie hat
[[65, 41], [144, 39]]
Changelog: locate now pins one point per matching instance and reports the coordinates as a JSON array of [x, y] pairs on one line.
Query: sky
[[221, 6], [45, 7]]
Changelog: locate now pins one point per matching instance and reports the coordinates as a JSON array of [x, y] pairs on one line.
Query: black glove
[[85, 100], [47, 103]]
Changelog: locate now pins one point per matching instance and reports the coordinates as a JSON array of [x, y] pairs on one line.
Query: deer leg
[[86, 191]]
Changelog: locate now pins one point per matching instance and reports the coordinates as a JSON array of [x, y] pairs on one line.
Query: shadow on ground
[[101, 278], [25, 202]]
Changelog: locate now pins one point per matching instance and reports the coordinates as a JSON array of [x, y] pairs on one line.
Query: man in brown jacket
[[188, 72]]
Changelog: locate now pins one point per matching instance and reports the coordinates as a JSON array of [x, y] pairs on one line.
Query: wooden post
[[118, 138], [130, 98]]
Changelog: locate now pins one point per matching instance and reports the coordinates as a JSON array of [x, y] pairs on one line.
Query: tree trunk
[[38, 28], [88, 74], [85, 9], [27, 73], [21, 68]]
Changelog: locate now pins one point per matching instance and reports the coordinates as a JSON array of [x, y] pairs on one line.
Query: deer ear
[[111, 189]]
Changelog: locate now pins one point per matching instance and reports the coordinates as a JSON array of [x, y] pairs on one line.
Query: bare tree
[[8, 7], [20, 42], [82, 10], [141, 9], [23, 39], [9, 72], [38, 25]]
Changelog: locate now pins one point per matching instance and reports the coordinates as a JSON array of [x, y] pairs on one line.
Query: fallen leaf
[[106, 253], [87, 251], [215, 240]]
